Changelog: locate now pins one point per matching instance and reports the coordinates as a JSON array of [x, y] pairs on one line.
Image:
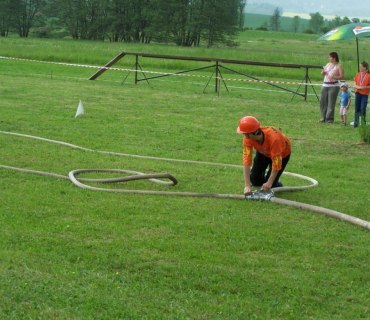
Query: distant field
[[279, 47], [255, 21]]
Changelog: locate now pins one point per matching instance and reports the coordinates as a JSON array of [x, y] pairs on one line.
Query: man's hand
[[266, 186], [247, 191]]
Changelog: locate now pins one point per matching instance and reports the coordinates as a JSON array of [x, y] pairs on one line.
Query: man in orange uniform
[[273, 150]]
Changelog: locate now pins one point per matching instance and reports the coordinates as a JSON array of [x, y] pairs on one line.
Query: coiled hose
[[156, 178]]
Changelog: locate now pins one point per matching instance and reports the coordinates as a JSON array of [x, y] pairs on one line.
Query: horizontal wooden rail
[[206, 59], [210, 59]]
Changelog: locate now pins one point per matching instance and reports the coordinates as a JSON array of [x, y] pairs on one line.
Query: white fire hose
[[156, 178]]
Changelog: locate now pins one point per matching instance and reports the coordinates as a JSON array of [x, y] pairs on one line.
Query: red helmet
[[248, 124]]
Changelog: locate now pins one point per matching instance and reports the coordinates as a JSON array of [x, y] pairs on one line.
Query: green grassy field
[[69, 253]]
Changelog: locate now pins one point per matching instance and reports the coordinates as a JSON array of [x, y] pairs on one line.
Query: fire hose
[[158, 178]]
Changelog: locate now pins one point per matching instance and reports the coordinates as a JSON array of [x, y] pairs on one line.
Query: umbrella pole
[[358, 57]]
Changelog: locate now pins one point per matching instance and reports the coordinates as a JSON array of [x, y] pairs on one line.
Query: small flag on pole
[[80, 109]]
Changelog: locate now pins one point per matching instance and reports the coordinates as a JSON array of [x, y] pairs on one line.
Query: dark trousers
[[260, 164], [360, 108]]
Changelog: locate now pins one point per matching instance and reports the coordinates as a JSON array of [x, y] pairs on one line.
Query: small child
[[344, 101]]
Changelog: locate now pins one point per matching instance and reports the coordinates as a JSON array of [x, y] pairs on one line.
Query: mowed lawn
[[70, 253]]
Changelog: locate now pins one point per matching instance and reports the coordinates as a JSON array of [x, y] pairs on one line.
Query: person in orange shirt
[[273, 150], [362, 90]]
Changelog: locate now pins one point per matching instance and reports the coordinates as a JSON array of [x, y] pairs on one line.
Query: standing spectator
[[333, 72], [344, 102], [362, 89]]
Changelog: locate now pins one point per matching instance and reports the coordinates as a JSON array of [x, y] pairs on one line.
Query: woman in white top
[[333, 72]]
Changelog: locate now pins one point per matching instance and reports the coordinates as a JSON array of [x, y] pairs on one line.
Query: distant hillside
[[254, 21]]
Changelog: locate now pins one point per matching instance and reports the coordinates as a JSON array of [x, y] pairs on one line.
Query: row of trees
[[316, 24], [185, 22]]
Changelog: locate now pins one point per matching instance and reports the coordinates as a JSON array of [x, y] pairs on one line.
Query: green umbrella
[[349, 31]]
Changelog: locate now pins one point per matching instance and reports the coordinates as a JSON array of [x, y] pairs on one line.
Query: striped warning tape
[[160, 73]]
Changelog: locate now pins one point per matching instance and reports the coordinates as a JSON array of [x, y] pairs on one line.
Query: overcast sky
[[351, 9]]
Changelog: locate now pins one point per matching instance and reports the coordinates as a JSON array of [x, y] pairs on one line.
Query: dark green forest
[[182, 22]]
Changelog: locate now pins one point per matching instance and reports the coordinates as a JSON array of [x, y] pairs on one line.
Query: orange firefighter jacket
[[275, 146]]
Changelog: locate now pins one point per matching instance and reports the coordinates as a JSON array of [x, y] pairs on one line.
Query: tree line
[[184, 22], [316, 24]]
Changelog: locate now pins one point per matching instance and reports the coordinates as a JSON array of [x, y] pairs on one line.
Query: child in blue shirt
[[344, 102]]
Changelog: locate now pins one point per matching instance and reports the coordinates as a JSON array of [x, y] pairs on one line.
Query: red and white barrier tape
[[160, 73]]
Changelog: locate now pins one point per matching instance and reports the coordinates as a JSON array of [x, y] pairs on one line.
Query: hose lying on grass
[[135, 175]]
